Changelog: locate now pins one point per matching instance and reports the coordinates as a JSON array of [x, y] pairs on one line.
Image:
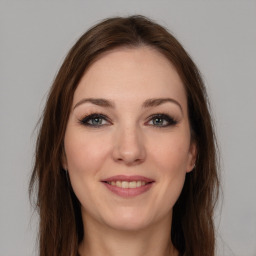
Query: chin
[[128, 220]]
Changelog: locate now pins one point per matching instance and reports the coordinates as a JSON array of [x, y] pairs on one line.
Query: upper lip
[[128, 178]]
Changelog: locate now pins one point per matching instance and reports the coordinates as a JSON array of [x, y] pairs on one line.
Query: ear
[[192, 156], [64, 159]]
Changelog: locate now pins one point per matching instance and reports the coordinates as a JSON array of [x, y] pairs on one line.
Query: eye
[[161, 120], [95, 120]]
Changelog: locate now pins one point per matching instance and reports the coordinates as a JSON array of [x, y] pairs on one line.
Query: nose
[[129, 147]]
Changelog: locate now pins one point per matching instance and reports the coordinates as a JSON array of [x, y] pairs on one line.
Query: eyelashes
[[95, 120], [162, 120], [98, 120]]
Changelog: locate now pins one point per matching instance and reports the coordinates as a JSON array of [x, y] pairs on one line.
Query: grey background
[[221, 38]]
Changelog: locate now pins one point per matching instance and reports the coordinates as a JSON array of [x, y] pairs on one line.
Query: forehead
[[131, 75]]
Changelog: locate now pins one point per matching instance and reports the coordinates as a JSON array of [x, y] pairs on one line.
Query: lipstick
[[128, 186]]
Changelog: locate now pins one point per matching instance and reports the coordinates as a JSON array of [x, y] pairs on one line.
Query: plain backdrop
[[221, 38]]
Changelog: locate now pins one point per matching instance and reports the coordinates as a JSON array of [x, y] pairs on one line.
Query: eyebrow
[[146, 104], [158, 101], [99, 102]]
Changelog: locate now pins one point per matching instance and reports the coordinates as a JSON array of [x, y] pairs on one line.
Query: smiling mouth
[[128, 184]]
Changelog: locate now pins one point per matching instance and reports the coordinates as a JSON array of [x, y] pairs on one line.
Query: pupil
[[96, 121], [158, 121]]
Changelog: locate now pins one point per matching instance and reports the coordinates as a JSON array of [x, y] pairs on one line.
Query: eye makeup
[[98, 119], [161, 120], [95, 120]]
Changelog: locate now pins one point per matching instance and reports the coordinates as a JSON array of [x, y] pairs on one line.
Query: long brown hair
[[61, 228]]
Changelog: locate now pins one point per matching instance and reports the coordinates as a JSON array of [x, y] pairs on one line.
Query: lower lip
[[128, 192]]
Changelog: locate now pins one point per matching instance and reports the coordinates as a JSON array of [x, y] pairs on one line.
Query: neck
[[100, 240]]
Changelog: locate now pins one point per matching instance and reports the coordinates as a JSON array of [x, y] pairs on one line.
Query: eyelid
[[171, 120], [84, 120]]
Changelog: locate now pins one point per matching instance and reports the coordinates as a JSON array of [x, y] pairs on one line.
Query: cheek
[[170, 157], [172, 153], [85, 154], [85, 157]]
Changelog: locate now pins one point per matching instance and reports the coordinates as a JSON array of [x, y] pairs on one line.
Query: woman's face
[[127, 142]]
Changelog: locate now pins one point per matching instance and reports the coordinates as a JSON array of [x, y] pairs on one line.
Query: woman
[[125, 159]]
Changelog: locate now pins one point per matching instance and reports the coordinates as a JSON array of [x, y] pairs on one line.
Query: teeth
[[119, 184], [133, 184], [127, 184]]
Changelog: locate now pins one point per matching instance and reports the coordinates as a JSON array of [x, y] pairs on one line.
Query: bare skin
[[129, 117], [154, 241]]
